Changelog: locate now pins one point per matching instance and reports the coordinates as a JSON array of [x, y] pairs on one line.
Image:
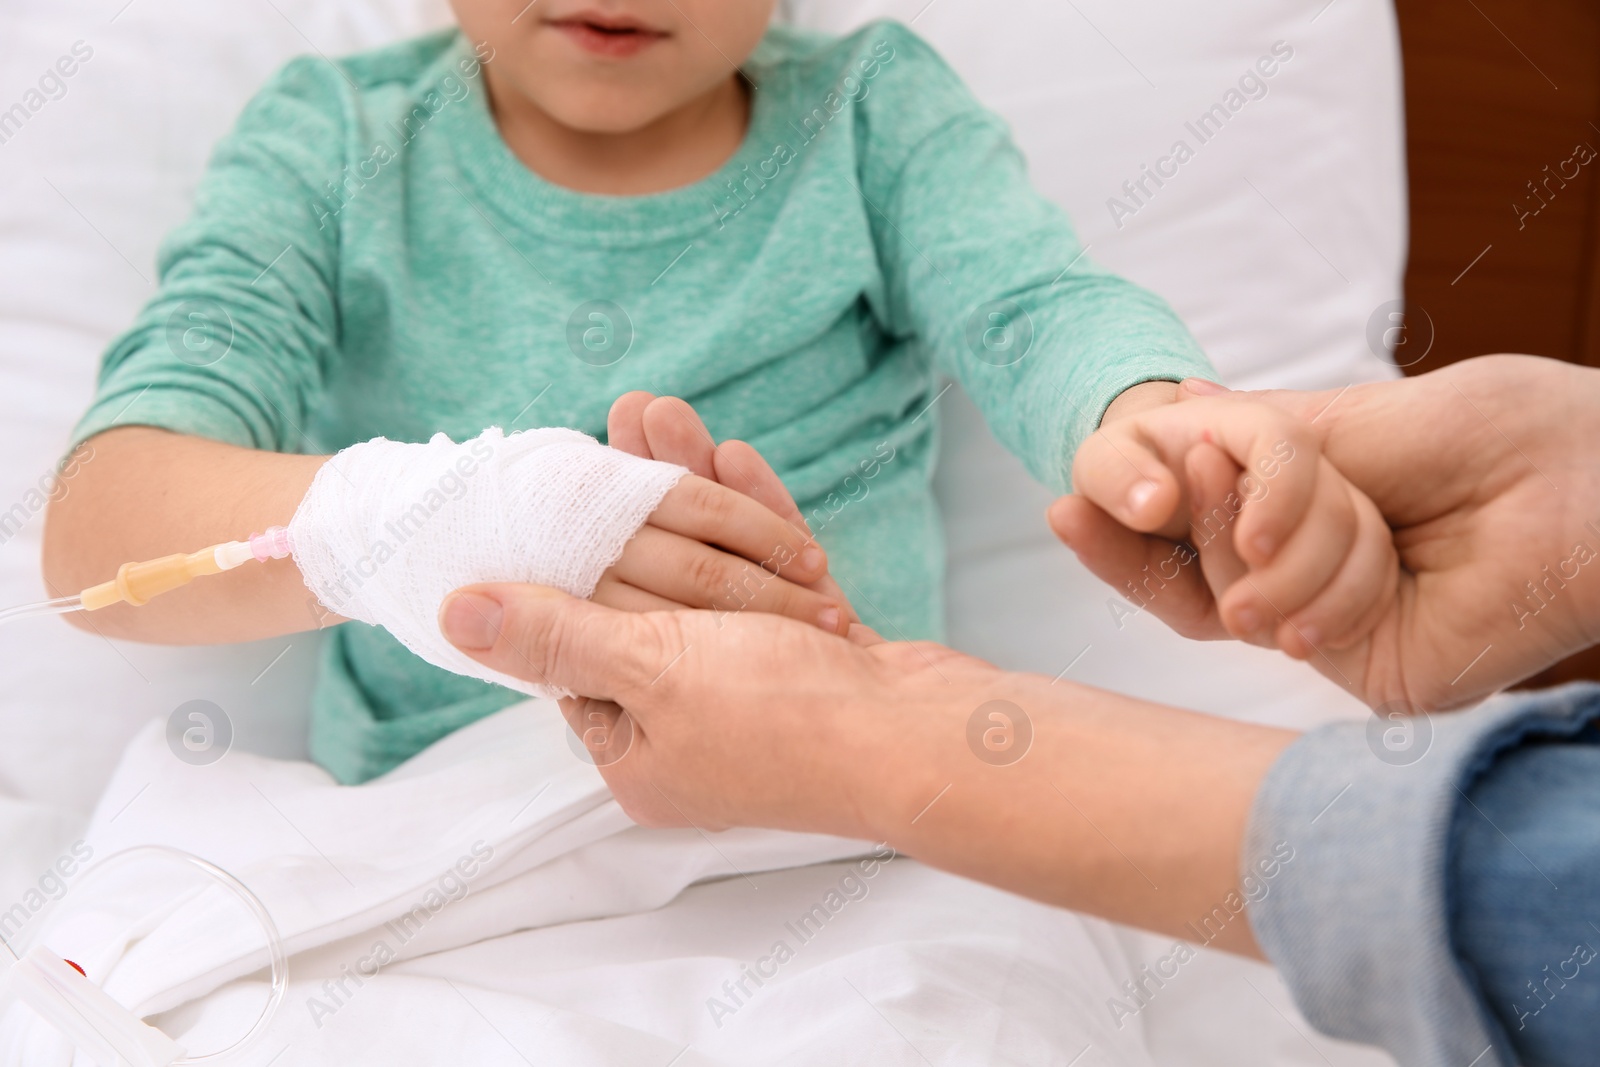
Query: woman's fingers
[[1147, 571], [702, 510], [676, 435], [625, 424], [688, 572], [602, 727]]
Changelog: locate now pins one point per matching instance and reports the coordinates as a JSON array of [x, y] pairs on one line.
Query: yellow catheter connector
[[139, 583]]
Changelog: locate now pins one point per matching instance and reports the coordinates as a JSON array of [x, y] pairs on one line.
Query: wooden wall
[[1503, 139]]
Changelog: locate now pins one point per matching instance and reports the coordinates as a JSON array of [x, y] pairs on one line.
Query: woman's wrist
[[1073, 796], [885, 741]]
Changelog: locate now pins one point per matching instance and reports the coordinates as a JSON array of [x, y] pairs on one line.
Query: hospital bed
[[1279, 236]]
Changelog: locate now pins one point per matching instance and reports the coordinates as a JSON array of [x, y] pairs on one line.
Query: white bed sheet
[[517, 912]]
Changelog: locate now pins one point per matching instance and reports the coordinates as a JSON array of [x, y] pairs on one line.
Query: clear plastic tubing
[[277, 957], [139, 583], [63, 606]]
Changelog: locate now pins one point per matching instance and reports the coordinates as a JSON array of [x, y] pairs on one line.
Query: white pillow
[[1277, 240]]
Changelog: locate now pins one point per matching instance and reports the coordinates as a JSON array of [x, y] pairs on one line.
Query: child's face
[[613, 66]]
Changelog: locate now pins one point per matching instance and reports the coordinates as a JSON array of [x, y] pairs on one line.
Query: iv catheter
[[139, 583]]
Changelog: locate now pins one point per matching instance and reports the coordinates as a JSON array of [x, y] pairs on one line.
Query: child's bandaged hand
[[668, 430], [1221, 516], [389, 529]]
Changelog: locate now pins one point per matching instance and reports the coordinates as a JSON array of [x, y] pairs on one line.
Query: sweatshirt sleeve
[[1421, 904], [991, 277], [236, 341]]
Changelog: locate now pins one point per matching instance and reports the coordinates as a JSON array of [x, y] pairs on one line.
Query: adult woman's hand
[[1070, 795], [1488, 473]]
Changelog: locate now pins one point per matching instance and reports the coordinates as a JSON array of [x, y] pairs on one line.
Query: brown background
[[1496, 92]]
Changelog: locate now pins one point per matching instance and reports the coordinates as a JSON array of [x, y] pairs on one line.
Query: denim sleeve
[[1401, 922], [1525, 897]]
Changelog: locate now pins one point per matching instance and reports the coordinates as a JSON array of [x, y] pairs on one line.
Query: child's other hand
[[1290, 554], [721, 532]]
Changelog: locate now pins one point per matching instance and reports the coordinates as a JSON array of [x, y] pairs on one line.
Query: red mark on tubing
[[75, 967]]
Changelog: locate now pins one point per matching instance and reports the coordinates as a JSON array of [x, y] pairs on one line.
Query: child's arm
[[147, 493], [203, 401], [992, 278], [1290, 554]]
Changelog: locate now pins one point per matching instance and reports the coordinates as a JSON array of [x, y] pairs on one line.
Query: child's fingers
[[688, 572], [1357, 597], [739, 466], [1313, 553], [1119, 471], [828, 586], [718, 515], [1214, 505], [1150, 572], [613, 592], [625, 424], [1279, 458], [676, 435]]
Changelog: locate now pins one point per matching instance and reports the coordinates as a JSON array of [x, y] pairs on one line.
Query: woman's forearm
[[150, 493], [1122, 809]]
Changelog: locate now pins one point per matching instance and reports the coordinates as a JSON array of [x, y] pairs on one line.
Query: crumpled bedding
[[488, 902]]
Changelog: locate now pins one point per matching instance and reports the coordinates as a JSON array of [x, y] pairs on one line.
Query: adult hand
[[1095, 801], [716, 722], [1294, 556], [1487, 473]]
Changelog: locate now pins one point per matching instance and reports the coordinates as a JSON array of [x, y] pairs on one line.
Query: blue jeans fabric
[[1525, 894], [1438, 866]]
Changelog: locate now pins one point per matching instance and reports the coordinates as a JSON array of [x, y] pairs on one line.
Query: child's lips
[[606, 37]]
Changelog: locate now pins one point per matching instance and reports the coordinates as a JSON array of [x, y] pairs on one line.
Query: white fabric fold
[[497, 828], [488, 903]]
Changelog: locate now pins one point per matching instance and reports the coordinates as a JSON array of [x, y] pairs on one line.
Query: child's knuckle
[[707, 573]]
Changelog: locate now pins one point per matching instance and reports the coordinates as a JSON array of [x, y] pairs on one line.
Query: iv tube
[[139, 583], [278, 958], [61, 606]]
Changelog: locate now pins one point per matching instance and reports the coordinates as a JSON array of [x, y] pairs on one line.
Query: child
[[514, 223]]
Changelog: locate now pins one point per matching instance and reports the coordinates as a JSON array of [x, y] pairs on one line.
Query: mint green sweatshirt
[[367, 257]]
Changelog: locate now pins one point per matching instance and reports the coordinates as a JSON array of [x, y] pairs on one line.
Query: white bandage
[[388, 530]]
